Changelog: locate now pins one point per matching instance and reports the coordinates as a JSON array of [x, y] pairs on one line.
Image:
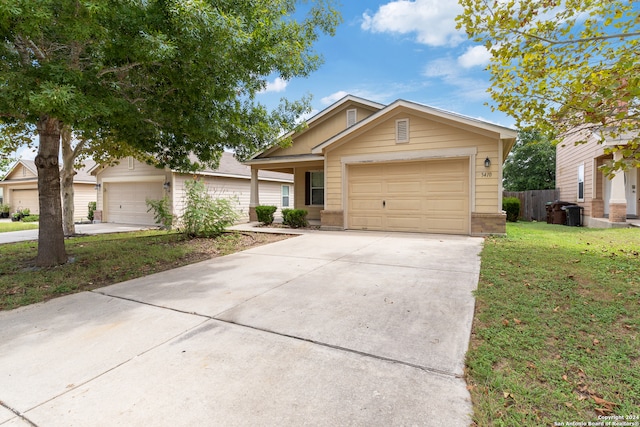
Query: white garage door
[[125, 202], [427, 196], [25, 199]]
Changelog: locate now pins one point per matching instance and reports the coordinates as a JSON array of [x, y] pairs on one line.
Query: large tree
[[531, 165], [167, 78], [564, 66]]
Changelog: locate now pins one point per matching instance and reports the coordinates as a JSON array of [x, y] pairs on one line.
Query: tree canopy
[[167, 78], [564, 66], [531, 164]]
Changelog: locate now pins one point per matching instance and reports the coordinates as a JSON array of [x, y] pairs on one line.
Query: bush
[[161, 212], [31, 218], [92, 209], [294, 218], [25, 212], [205, 216], [265, 214], [511, 205]]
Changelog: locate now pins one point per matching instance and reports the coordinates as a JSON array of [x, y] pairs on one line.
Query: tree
[[531, 164], [164, 77], [564, 67]]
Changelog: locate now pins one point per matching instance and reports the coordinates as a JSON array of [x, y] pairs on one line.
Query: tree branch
[[119, 69]]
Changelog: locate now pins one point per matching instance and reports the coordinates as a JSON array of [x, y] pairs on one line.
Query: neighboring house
[[20, 188], [402, 167], [124, 188], [580, 180]]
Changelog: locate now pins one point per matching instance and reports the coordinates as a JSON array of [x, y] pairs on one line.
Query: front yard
[[555, 334]]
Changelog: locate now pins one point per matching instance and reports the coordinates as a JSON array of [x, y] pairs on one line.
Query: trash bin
[[574, 215], [549, 210], [559, 215]]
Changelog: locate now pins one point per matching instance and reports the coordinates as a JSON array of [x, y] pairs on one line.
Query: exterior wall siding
[[83, 194]]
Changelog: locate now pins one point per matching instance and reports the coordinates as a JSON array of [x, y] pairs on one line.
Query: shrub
[[161, 212], [511, 205], [31, 218], [4, 208], [92, 209], [205, 216], [25, 212], [294, 218], [265, 214]]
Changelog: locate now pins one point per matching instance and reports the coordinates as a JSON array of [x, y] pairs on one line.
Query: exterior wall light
[[97, 187], [487, 162], [166, 185]]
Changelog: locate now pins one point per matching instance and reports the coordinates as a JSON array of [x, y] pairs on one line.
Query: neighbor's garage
[[25, 199], [424, 196], [125, 202]]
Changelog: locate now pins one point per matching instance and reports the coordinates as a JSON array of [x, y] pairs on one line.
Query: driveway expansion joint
[[18, 414]]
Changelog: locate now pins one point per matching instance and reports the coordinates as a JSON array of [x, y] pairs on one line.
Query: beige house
[[124, 188], [401, 167], [20, 189], [579, 180]]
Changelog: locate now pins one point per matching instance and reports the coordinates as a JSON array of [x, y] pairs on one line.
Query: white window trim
[[311, 187], [580, 170], [404, 140], [288, 196], [355, 117]]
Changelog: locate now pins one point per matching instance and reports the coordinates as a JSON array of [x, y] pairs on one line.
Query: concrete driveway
[[26, 235], [326, 328]]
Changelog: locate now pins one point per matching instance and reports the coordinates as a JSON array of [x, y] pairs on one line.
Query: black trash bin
[[558, 214], [574, 215]]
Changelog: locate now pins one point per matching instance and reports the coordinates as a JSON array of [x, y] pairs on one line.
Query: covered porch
[[615, 199]]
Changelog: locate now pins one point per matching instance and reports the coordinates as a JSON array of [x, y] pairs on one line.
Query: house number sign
[[485, 174]]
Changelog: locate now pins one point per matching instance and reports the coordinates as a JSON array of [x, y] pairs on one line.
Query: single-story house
[[123, 188], [20, 188], [405, 166], [580, 180]]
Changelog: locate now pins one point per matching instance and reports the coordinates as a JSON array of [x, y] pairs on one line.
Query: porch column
[[254, 199], [618, 198]]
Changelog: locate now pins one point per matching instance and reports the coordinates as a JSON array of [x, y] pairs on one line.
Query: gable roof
[[507, 134], [231, 168], [82, 175]]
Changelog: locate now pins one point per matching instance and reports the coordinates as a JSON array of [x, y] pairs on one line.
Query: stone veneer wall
[[332, 219], [483, 224]]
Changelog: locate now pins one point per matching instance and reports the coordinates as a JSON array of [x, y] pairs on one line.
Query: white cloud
[[432, 20], [474, 56], [464, 85], [278, 85], [25, 153], [334, 97]]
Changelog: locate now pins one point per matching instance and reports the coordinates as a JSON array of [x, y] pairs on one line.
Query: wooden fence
[[533, 203]]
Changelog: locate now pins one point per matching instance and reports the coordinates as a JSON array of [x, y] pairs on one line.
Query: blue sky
[[389, 50]]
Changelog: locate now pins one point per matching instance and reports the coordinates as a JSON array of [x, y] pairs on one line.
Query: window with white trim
[[581, 183], [402, 130], [285, 196], [352, 117], [314, 191]]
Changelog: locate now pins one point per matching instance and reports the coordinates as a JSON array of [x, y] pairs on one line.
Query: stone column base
[[97, 216], [253, 216], [597, 208], [483, 224], [617, 212], [332, 219]]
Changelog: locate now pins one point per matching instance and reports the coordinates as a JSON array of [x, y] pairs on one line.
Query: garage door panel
[[126, 202], [427, 196]]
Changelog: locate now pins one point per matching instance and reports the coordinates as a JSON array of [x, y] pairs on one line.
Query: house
[[20, 188], [405, 166], [124, 188], [606, 202]]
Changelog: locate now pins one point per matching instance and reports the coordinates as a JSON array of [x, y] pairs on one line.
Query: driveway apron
[[326, 328]]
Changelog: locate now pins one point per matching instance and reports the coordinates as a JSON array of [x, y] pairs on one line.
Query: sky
[[389, 50]]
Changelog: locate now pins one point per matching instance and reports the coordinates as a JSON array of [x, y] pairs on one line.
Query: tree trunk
[[66, 182], [51, 249]]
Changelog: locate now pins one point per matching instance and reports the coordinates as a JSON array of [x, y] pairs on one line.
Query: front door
[[631, 192]]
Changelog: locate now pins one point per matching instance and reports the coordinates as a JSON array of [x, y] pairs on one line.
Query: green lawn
[[555, 334], [17, 226]]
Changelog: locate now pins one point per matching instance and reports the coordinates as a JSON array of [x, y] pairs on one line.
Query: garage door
[[126, 201], [427, 196], [25, 199]]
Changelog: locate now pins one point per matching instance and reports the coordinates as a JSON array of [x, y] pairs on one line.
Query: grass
[[101, 260], [17, 226], [555, 333]]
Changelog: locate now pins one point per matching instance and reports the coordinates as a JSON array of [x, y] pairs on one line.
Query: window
[[352, 117], [581, 183], [402, 130], [285, 196], [314, 189]]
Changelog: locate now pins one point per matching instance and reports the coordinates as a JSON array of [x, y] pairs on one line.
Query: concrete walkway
[[25, 235], [323, 329]]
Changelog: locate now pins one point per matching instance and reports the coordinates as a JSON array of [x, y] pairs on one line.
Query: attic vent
[[352, 117], [130, 163], [402, 130]]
